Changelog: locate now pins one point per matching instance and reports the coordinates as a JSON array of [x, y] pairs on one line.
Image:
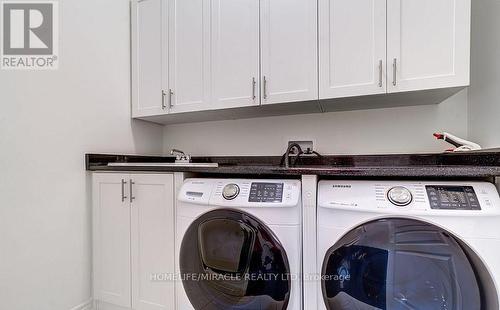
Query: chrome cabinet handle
[[131, 191], [254, 84], [394, 72], [380, 74], [265, 87], [163, 106], [170, 93], [123, 190]]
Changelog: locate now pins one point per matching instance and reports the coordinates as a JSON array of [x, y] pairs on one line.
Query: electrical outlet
[[306, 146]]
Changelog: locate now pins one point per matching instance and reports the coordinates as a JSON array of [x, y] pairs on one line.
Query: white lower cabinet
[[133, 238], [111, 222]]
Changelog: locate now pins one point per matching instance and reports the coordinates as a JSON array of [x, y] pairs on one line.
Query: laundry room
[[249, 154]]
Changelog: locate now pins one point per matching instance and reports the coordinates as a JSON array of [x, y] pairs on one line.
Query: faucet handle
[[180, 155], [176, 151]]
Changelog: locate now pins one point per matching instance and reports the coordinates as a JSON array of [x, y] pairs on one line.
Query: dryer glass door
[[231, 260], [399, 264]]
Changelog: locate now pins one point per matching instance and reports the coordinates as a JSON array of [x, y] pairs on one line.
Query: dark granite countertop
[[482, 164]]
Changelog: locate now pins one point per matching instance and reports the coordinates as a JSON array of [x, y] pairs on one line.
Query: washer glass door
[[231, 260], [399, 264]]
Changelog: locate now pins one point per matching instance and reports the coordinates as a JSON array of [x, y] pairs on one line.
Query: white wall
[[394, 130], [48, 120], [484, 94]]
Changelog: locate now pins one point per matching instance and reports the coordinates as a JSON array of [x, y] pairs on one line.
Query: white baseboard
[[87, 305]]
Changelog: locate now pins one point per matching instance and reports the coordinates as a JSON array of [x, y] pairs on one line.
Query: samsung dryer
[[408, 245], [238, 244]]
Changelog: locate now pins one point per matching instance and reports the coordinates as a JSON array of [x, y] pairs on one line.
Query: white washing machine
[[238, 244], [408, 245]]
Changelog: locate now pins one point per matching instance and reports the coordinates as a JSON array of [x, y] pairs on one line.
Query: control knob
[[400, 196], [230, 191]]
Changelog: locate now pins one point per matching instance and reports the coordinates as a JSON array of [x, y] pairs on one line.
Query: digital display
[[194, 194], [452, 197], [266, 192]]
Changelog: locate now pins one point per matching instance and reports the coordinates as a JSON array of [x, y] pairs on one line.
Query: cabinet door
[[152, 237], [235, 53], [352, 47], [111, 235], [428, 44], [189, 56], [149, 61], [289, 50]]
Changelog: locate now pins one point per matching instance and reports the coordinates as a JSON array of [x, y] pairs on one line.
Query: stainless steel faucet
[[180, 156], [287, 154]]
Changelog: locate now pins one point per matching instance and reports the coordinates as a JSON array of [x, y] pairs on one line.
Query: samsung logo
[[341, 186]]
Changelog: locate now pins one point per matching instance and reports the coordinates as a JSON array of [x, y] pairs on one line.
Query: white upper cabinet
[[200, 55], [428, 44], [189, 56], [149, 63], [289, 50], [235, 53], [352, 47]]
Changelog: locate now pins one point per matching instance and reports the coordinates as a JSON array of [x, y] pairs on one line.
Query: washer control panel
[[446, 197], [266, 192], [252, 193]]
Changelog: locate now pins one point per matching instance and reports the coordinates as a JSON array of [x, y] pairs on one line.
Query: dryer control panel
[[452, 197], [440, 198]]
